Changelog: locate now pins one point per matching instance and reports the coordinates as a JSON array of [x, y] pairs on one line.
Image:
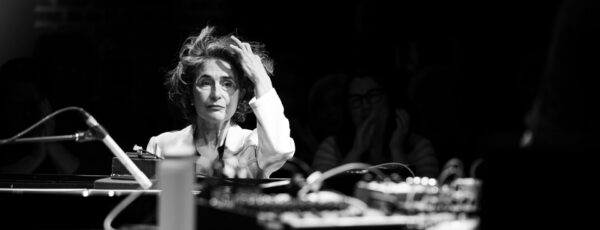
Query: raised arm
[[275, 145]]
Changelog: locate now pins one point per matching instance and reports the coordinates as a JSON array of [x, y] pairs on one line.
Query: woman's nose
[[217, 92]]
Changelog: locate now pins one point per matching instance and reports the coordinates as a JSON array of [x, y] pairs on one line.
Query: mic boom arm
[[102, 134]]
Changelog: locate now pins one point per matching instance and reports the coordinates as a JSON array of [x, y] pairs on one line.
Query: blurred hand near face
[[363, 137], [401, 131]]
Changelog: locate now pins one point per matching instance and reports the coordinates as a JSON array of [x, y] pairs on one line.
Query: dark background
[[479, 63]]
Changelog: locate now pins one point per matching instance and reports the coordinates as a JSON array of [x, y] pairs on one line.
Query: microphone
[[102, 134]]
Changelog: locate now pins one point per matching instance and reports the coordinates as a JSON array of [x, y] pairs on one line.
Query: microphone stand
[[96, 132], [82, 136]]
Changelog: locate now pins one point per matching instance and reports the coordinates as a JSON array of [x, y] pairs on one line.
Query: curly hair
[[195, 51]]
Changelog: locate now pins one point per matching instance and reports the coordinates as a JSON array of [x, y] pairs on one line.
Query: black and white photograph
[[230, 114]]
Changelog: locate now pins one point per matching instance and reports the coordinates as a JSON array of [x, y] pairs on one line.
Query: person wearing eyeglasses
[[216, 83], [376, 133]]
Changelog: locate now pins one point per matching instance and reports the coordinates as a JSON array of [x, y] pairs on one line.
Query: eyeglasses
[[372, 96]]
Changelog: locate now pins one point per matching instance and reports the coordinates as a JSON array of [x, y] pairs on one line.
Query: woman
[[217, 81], [377, 133]]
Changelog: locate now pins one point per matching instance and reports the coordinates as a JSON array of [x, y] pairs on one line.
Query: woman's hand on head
[[252, 67]]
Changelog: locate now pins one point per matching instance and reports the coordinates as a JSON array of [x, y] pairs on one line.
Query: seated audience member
[[378, 133]]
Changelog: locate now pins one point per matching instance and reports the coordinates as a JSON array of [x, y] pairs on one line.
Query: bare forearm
[[262, 86]]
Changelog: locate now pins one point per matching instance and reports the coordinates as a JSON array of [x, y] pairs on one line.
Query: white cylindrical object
[[176, 201], [139, 176]]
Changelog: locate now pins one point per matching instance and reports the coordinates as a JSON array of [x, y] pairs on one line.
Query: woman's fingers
[[237, 49], [248, 47], [242, 45], [243, 49], [237, 41]]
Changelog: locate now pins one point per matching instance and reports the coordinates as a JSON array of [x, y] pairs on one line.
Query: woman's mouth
[[215, 107]]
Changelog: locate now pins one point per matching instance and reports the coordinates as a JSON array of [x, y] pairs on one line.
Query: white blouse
[[248, 153]]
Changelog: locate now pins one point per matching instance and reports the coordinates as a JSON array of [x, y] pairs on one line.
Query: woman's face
[[216, 91], [365, 96]]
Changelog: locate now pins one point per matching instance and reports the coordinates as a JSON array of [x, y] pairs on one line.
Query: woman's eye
[[204, 83], [229, 84]]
